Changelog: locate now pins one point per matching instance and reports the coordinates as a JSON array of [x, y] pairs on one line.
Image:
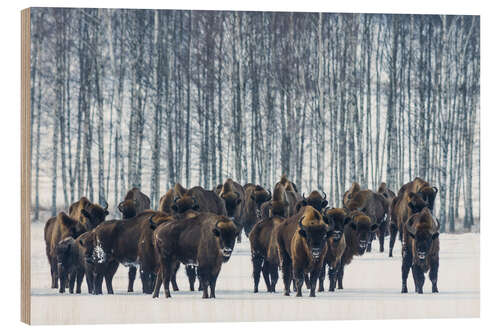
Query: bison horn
[[237, 195], [303, 197], [105, 205], [120, 206], [270, 195], [152, 224], [324, 195], [435, 189], [176, 198]]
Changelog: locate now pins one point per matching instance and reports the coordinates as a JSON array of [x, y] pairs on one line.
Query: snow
[[372, 291]]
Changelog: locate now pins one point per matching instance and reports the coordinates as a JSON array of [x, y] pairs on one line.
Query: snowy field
[[372, 291]]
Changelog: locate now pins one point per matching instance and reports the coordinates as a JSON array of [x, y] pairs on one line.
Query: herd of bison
[[290, 232]]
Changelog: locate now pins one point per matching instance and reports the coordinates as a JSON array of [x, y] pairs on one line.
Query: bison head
[[423, 231], [72, 227], [428, 194], [260, 195], [314, 230], [127, 208], [184, 203], [232, 200], [94, 215], [278, 208], [315, 199], [363, 228], [87, 243], [417, 202], [225, 231], [337, 219]]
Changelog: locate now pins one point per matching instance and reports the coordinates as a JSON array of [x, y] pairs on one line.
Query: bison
[[264, 251], [411, 198], [233, 195], [135, 202], [422, 252], [70, 265], [120, 241], [350, 193], [302, 248], [255, 196], [337, 219], [206, 240], [88, 213], [56, 229], [376, 207], [357, 235], [291, 195], [277, 206]]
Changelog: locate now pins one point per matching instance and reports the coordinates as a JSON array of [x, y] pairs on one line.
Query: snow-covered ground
[[372, 291]]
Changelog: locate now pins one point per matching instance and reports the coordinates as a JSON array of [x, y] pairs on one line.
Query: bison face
[[63, 251], [428, 194], [87, 243], [185, 203], [417, 202], [127, 208], [422, 243], [363, 230], [232, 201], [94, 216], [315, 200], [336, 226], [260, 195], [315, 237], [225, 233]]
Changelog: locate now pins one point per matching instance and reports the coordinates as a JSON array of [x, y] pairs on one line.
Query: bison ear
[[106, 213], [435, 235], [374, 227], [175, 208], [302, 232], [216, 232], [238, 201], [80, 241], [411, 195], [347, 220], [86, 214], [324, 203], [352, 225], [329, 233]]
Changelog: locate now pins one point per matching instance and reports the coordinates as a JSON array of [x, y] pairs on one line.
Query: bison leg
[[393, 231], [72, 280], [340, 276], [273, 272], [321, 278], [158, 282], [287, 274], [313, 280], [382, 229], [98, 284], [332, 276], [173, 276], [405, 269], [419, 278], [79, 279], [89, 277], [205, 278], [132, 271], [108, 276], [63, 277], [369, 242], [53, 274], [433, 275], [257, 261], [307, 281], [213, 281], [191, 274], [167, 272], [299, 280], [265, 275]]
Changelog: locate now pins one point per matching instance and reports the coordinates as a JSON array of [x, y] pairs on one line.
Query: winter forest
[[149, 98]]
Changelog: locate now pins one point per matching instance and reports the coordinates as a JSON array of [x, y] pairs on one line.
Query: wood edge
[[25, 168]]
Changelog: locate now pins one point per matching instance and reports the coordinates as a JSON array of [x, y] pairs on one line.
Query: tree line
[[148, 98]]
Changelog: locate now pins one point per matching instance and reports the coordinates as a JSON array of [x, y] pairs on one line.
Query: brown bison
[[315, 199], [411, 198], [135, 202], [167, 202], [255, 196], [277, 206], [376, 207], [386, 192], [70, 265], [120, 241], [337, 219], [302, 248], [422, 253], [350, 193], [233, 195], [56, 229], [88, 213], [291, 195], [206, 240], [357, 235], [265, 257], [201, 199]]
